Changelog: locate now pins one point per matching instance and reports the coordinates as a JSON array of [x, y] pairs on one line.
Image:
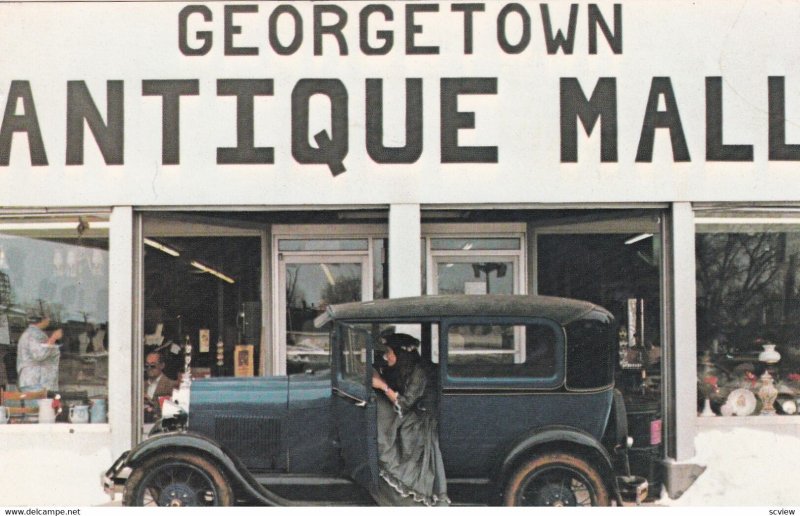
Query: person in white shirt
[[38, 356]]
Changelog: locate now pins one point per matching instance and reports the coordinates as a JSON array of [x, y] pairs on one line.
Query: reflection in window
[[54, 268], [475, 278], [310, 288], [748, 299], [337, 244], [354, 352], [501, 351], [474, 244]]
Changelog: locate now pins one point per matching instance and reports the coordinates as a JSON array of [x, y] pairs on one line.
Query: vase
[[707, 411], [769, 355], [767, 394]]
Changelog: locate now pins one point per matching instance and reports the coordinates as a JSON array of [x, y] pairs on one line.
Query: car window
[[590, 352], [525, 351], [353, 357]]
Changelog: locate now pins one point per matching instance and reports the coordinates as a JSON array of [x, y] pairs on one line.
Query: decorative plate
[[743, 402]]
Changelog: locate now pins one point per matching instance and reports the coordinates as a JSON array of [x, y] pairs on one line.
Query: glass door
[[307, 285]]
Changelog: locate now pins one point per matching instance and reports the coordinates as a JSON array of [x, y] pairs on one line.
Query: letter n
[[109, 137]]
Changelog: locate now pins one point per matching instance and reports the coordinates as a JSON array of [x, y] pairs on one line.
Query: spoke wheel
[[177, 480], [556, 480]]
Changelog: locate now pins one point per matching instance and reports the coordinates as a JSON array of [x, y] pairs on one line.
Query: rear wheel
[[177, 479], [556, 480]]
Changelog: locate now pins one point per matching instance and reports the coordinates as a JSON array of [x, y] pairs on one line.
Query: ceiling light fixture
[[638, 238], [747, 220], [161, 247], [33, 226], [206, 268]]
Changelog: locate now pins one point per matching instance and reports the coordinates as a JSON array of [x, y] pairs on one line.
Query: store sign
[[359, 102]]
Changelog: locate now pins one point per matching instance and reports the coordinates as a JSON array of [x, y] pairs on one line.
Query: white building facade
[[219, 172]]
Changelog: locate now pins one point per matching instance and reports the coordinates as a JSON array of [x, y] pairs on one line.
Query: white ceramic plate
[[743, 402]]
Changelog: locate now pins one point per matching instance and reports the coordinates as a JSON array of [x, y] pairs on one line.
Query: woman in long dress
[[409, 459]]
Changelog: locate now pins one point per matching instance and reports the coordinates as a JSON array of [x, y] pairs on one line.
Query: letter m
[[602, 105]]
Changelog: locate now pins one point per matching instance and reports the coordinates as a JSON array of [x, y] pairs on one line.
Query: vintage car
[[528, 413]]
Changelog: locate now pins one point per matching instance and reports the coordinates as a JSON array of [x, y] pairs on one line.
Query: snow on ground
[[60, 477], [744, 467]]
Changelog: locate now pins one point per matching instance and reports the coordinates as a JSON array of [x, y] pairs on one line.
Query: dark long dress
[[409, 459]]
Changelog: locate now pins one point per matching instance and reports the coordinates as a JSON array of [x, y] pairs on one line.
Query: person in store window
[[409, 458], [38, 355], [156, 386]]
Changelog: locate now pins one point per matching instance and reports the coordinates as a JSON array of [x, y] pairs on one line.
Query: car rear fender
[[559, 438], [242, 482]]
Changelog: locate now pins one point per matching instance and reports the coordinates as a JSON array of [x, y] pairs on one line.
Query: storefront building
[[219, 173]]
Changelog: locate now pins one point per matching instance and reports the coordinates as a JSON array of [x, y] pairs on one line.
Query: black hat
[[401, 342]]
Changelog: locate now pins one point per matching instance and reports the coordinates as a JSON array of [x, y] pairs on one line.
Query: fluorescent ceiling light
[[161, 247], [328, 275], [747, 220], [206, 268], [24, 226], [637, 238]]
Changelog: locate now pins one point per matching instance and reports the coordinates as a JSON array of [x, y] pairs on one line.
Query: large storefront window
[[614, 259], [748, 313], [54, 317], [202, 287]]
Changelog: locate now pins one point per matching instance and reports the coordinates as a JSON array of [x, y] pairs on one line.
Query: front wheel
[[177, 479], [556, 480]]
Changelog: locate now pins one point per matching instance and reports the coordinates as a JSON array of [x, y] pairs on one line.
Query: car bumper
[[633, 488], [114, 478]]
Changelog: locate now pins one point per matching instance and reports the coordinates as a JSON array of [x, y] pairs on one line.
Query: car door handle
[[358, 402]]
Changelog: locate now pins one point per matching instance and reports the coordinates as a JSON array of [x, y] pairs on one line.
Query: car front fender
[[233, 469]]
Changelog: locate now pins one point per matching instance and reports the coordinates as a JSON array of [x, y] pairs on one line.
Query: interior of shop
[[54, 273]]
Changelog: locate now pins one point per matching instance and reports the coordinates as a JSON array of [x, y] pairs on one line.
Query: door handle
[[358, 402]]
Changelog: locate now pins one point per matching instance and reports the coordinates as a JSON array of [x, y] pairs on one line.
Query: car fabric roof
[[559, 309]]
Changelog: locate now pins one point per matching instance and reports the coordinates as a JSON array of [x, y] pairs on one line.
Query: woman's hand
[[378, 382], [56, 335]]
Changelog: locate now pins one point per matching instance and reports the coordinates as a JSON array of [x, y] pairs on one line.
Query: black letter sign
[[245, 151], [413, 147], [574, 105], [170, 92], [331, 149], [110, 137], [25, 123], [715, 149], [204, 35], [453, 120], [779, 150], [669, 119]]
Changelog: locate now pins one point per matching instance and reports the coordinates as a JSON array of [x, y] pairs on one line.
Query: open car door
[[354, 403]]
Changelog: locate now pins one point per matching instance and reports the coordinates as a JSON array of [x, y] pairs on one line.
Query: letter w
[[559, 41]]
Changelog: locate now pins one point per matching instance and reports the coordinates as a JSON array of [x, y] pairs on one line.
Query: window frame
[[510, 382]]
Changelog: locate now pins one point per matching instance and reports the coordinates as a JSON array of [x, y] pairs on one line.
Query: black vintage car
[[528, 414]]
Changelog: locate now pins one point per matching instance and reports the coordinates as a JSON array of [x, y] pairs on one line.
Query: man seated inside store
[[156, 386]]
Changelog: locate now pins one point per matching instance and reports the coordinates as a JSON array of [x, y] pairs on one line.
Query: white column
[[685, 328], [120, 329], [405, 271]]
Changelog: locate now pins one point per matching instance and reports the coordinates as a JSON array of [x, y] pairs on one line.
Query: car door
[[354, 403]]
